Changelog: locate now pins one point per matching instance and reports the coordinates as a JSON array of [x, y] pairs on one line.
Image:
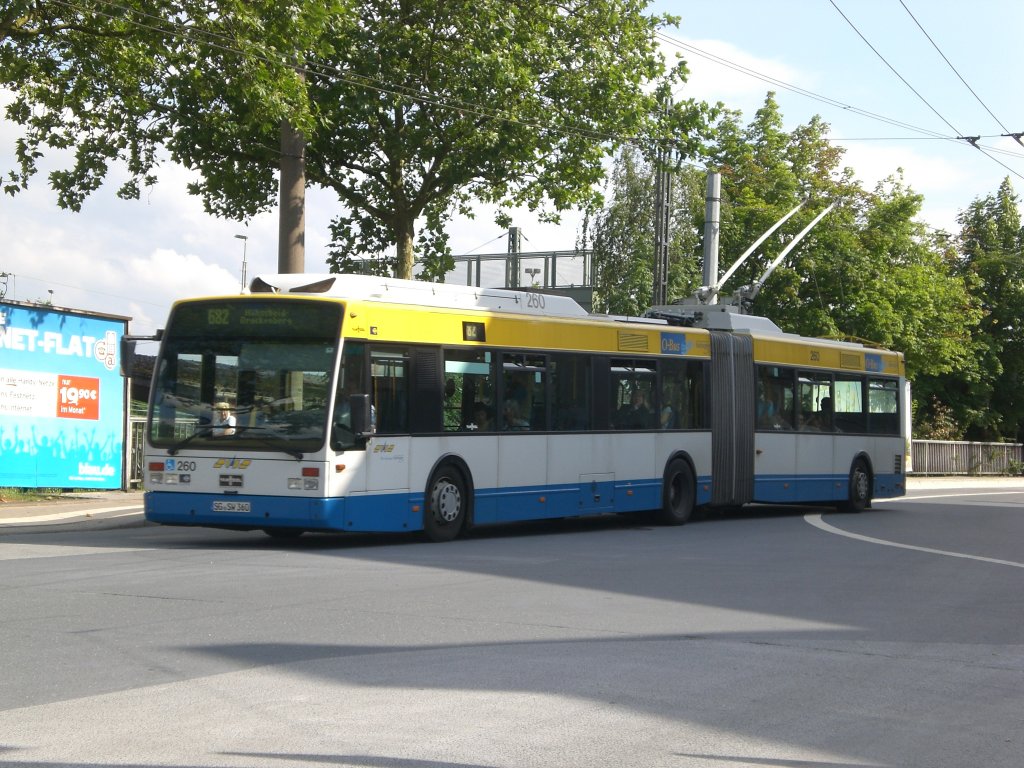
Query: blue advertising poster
[[61, 399]]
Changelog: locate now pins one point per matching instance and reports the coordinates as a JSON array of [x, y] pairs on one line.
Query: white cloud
[[724, 73]]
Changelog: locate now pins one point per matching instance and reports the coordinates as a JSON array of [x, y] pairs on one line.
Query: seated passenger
[[481, 419], [636, 415], [513, 419]]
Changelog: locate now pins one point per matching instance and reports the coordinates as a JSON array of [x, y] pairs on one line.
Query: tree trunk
[[405, 230], [291, 242]]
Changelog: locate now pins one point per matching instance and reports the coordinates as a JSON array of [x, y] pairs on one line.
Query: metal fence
[[959, 457], [136, 451]]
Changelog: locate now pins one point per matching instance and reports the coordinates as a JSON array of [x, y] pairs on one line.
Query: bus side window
[[815, 402], [571, 388], [469, 395], [524, 382], [883, 407], [633, 385], [849, 404], [774, 410]]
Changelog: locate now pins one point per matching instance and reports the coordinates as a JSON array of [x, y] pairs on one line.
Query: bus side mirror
[[129, 358], [359, 407]]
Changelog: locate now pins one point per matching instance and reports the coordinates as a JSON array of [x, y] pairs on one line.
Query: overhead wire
[[972, 140], [955, 71]]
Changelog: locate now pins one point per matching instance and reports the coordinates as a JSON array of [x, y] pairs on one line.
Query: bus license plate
[[231, 506]]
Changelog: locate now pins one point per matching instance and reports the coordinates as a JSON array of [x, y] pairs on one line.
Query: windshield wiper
[[296, 454], [173, 450], [207, 428]]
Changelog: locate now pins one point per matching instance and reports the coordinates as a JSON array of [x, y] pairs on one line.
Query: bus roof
[[371, 288]]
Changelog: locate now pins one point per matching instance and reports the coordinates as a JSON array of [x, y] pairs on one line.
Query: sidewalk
[[90, 506], [71, 508]]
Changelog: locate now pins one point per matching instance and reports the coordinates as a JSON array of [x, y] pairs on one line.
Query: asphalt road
[[798, 638]]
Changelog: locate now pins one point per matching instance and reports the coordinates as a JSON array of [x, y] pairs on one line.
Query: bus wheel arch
[[861, 481], [448, 499], [678, 491]]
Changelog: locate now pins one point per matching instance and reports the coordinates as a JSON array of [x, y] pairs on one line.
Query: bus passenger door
[[387, 453]]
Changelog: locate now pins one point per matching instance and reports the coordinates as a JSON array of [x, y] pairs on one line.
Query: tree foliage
[[869, 271], [410, 109], [991, 245]]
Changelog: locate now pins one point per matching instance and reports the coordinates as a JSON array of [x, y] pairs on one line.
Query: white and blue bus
[[354, 403]]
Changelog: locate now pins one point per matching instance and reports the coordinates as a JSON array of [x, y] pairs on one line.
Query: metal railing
[[960, 457]]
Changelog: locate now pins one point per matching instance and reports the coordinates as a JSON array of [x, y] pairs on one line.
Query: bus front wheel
[[678, 494], [859, 496], [446, 504]]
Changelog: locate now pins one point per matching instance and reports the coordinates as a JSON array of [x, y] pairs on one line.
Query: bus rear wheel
[[859, 496], [446, 505], [678, 494]]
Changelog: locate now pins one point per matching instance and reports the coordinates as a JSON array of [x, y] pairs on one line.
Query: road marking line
[[817, 522], [946, 496], [67, 515]]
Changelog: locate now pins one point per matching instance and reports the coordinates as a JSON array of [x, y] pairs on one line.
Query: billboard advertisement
[[62, 402]]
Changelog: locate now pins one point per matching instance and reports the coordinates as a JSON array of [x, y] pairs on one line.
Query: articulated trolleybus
[[354, 403]]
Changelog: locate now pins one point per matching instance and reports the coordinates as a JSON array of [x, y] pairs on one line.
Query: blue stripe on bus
[[402, 511], [781, 489]]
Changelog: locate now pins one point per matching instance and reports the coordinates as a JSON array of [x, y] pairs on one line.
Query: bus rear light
[[156, 478], [303, 484], [156, 466], [311, 471]]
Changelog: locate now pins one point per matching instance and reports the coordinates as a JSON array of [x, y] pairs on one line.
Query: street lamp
[[245, 246], [533, 272]]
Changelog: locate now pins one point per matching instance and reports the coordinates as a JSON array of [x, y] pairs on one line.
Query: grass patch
[[21, 495]]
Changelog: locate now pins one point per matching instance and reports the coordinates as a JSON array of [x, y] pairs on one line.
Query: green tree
[[409, 109], [991, 245], [869, 271]]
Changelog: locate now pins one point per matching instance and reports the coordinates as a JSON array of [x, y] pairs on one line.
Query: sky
[[897, 80]]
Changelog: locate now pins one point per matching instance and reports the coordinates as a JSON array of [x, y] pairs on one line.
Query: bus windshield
[[249, 374]]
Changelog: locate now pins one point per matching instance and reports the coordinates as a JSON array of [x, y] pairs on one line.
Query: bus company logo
[[873, 363], [232, 463], [384, 448], [674, 344]]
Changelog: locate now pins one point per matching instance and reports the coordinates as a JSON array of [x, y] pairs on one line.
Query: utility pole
[[662, 214], [515, 243], [712, 228]]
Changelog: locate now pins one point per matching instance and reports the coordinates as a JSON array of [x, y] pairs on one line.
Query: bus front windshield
[[251, 374]]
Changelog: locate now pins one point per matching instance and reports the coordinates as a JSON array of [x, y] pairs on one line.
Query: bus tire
[[678, 495], [859, 494], [446, 505]]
